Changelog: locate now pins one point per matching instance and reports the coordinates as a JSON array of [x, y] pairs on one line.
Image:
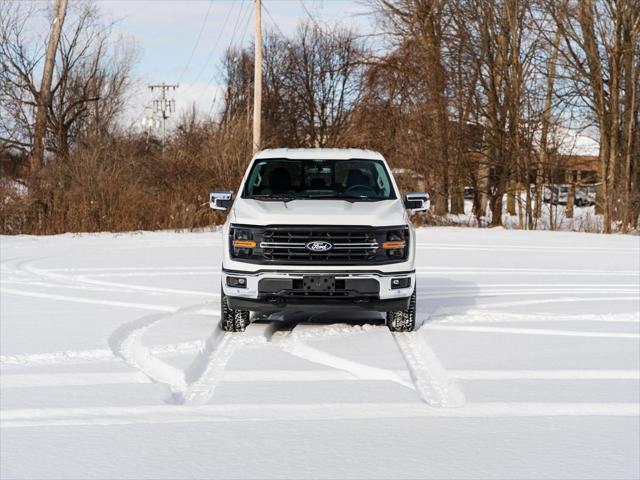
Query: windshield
[[285, 179]]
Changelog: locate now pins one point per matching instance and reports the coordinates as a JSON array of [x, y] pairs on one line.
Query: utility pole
[[163, 106], [44, 95], [257, 79]]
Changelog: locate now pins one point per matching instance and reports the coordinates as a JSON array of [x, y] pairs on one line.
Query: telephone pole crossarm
[[163, 106]]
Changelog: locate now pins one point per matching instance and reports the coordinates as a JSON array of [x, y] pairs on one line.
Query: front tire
[[232, 320], [403, 320]]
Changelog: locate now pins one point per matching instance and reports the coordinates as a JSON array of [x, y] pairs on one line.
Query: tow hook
[[275, 300], [362, 300]]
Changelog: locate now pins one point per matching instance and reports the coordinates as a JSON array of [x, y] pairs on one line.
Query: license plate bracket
[[319, 283]]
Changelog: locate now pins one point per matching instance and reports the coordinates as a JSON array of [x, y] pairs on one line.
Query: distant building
[[13, 164]]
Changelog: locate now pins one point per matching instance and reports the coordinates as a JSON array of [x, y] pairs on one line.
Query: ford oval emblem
[[318, 246]]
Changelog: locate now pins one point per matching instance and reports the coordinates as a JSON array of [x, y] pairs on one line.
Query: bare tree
[[497, 29], [88, 83], [422, 21], [310, 84], [601, 47], [44, 94], [322, 82]]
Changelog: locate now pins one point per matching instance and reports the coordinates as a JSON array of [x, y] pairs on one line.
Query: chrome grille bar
[[340, 246]]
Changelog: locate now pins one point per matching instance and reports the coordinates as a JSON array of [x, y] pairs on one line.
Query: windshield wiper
[[346, 198], [355, 198], [275, 198]]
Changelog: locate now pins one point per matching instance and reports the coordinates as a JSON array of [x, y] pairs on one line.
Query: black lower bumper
[[277, 304]]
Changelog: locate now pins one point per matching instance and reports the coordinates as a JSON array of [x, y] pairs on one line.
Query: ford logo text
[[318, 246]]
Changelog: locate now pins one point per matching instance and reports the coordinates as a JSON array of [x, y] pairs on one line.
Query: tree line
[[455, 93]]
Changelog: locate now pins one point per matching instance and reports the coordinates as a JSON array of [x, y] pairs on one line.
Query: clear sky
[[182, 41]]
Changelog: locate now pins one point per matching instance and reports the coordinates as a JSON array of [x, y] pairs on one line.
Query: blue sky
[[166, 32]]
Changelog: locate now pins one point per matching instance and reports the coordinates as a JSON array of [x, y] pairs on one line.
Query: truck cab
[[318, 230]]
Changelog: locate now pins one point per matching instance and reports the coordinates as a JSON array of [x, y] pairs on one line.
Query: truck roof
[[319, 153]]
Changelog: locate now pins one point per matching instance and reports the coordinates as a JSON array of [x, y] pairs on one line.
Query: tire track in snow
[[525, 292], [57, 358], [96, 355], [533, 331], [39, 380], [501, 247], [331, 330], [448, 316], [126, 270], [23, 267], [95, 301], [444, 316], [157, 414], [124, 287], [422, 271], [39, 283], [291, 342], [208, 367], [430, 378], [529, 272], [520, 303], [91, 301], [206, 371], [126, 343]]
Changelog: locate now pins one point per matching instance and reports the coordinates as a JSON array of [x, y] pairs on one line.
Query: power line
[[248, 18], [235, 27], [212, 51], [246, 26], [195, 46], [311, 17], [218, 71], [273, 21], [215, 45]]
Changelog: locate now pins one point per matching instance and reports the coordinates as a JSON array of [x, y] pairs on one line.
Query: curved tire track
[[432, 383], [126, 343]]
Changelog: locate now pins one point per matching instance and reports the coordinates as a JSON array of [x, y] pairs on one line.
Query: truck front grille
[[288, 245], [292, 245]]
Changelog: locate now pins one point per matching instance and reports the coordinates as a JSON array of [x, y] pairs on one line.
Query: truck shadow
[[435, 296]]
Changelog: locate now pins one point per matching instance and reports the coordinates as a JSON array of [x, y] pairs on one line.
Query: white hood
[[318, 212]]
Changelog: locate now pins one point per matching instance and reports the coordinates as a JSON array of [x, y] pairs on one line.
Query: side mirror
[[417, 201], [220, 200]]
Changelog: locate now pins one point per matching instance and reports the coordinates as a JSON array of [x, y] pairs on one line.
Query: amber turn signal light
[[244, 243], [394, 245]]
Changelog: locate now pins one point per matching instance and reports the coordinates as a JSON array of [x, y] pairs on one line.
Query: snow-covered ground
[[527, 365], [553, 217]]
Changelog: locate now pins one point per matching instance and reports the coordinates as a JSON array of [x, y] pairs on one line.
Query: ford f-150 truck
[[318, 229]]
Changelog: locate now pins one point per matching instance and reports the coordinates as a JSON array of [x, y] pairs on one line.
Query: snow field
[[527, 365]]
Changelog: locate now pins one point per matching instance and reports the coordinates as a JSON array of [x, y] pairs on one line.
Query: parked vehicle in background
[[555, 194], [318, 229], [585, 196], [468, 193]]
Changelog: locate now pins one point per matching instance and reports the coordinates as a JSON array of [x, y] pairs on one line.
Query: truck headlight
[[396, 243], [242, 241]]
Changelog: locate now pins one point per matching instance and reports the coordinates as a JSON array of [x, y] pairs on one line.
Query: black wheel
[[232, 320], [403, 320]]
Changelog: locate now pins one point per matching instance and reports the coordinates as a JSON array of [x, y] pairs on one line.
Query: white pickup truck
[[317, 230]]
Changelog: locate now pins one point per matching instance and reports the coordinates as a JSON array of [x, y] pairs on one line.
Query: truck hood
[[318, 212]]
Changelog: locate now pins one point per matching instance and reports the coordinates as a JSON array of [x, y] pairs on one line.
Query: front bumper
[[315, 304], [272, 290]]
